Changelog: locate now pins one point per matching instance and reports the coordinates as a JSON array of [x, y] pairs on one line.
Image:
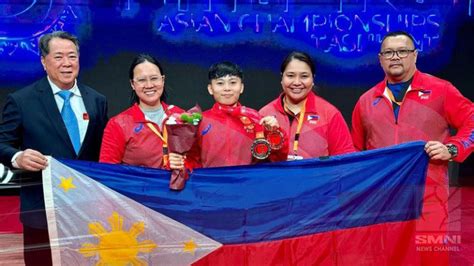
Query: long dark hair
[[141, 58]]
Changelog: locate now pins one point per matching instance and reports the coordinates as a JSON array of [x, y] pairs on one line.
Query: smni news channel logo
[[438, 242]]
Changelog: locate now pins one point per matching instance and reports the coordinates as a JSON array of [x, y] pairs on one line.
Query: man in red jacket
[[409, 105]]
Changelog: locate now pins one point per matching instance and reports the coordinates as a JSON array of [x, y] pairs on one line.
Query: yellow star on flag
[[66, 184], [190, 246]]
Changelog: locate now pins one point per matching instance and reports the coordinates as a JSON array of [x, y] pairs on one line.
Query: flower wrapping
[[182, 129]]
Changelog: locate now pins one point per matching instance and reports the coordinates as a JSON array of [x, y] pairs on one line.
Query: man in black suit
[[40, 120]]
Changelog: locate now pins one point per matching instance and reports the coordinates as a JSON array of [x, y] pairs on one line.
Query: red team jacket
[[430, 108], [223, 141], [324, 131], [128, 140]]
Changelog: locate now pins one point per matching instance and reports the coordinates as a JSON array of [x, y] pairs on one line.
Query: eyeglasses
[[400, 53], [153, 79]]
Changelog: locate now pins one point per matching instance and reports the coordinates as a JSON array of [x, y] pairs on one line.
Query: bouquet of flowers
[[182, 129]]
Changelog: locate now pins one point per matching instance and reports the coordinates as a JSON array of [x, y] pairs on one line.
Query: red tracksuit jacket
[[430, 108], [128, 140], [223, 141], [324, 131]]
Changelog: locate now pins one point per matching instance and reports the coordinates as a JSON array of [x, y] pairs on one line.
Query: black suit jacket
[[31, 120]]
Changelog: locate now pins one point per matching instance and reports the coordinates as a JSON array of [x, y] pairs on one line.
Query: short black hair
[[301, 56], [225, 68], [45, 39], [141, 58], [399, 33]]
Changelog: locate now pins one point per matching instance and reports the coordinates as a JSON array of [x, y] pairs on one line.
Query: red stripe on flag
[[383, 244]]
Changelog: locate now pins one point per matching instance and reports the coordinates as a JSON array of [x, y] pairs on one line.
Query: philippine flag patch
[[313, 119], [424, 94]]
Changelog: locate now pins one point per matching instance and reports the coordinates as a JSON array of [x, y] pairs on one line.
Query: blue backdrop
[[341, 35]]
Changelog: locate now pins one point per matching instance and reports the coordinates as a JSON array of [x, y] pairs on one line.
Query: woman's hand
[[269, 122], [176, 161]]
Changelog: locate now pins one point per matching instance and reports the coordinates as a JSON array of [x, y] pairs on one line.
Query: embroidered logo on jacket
[[376, 101], [313, 119], [470, 141], [138, 128], [424, 94], [206, 130]]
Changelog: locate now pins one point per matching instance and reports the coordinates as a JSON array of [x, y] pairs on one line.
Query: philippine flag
[[288, 213]]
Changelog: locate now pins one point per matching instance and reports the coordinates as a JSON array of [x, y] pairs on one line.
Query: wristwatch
[[452, 149]]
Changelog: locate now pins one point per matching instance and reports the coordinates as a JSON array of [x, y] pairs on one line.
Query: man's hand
[[31, 160], [176, 161], [437, 151], [269, 122]]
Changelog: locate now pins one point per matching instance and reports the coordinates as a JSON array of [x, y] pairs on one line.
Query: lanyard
[[164, 138], [392, 98], [298, 129]]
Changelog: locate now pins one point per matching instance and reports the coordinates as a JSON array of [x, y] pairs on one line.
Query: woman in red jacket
[[229, 131], [315, 127], [137, 136]]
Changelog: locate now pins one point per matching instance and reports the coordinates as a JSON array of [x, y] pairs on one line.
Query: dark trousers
[[36, 250]]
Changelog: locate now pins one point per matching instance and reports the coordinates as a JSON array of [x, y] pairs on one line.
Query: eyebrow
[[399, 48], [294, 72], [68, 53]]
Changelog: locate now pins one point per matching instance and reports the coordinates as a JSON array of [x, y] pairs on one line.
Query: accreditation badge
[[294, 157]]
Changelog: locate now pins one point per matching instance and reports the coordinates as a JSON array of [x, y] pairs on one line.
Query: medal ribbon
[[247, 116]]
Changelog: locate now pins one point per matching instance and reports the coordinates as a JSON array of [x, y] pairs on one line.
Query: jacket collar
[[416, 84], [218, 108], [310, 103], [139, 116]]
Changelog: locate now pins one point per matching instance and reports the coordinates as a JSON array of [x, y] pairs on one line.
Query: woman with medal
[[315, 127], [232, 134], [137, 136]]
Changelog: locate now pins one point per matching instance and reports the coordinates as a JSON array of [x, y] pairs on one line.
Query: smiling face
[[297, 81], [61, 63], [148, 84], [226, 90], [398, 69]]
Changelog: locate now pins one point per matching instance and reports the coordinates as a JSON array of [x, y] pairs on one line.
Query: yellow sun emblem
[[117, 247]]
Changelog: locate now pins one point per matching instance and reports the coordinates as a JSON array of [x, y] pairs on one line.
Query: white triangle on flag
[[90, 223]]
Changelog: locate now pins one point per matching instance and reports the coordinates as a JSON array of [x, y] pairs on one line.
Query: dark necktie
[[70, 120]]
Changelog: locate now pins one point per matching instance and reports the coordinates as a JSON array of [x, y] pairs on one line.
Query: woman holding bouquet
[[232, 134], [316, 127], [137, 136]]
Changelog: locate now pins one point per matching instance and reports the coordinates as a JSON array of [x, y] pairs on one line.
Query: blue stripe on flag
[[274, 201]]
